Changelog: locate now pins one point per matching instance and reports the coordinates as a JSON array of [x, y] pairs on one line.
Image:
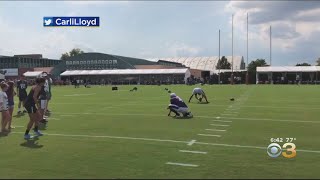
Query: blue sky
[[165, 29]]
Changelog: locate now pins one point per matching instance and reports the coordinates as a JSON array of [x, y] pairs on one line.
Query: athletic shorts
[[49, 95], [198, 91], [10, 103], [179, 109], [22, 96], [43, 104], [31, 108]]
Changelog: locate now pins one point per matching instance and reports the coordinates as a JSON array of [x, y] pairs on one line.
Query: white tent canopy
[[125, 72], [226, 70], [32, 73], [288, 69]]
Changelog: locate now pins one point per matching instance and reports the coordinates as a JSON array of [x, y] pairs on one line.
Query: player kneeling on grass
[[198, 92], [178, 106], [32, 105]]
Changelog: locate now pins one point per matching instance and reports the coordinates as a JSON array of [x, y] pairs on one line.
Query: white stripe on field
[[195, 152], [218, 125], [80, 94], [228, 114], [182, 164], [66, 115], [191, 142], [206, 117], [165, 140], [18, 126], [213, 135], [220, 121], [215, 130]]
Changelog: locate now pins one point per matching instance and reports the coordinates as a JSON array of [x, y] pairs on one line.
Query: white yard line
[[219, 125], [80, 94], [195, 152], [222, 130], [182, 164], [205, 117], [166, 140], [213, 135], [220, 121], [224, 114], [191, 142]]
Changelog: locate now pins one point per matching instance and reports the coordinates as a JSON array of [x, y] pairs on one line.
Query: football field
[[98, 133]]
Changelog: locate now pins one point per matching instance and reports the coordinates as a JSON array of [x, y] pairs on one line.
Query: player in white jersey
[[200, 92]]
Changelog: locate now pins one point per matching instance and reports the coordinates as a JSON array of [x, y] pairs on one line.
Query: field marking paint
[[18, 126], [218, 125], [112, 137], [231, 112], [228, 114], [182, 164], [205, 117], [80, 94], [66, 115], [191, 142], [220, 121], [222, 130], [213, 135], [195, 152], [278, 120], [50, 118], [166, 140]]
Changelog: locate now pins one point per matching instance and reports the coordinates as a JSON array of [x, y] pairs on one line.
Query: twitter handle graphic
[[71, 21]]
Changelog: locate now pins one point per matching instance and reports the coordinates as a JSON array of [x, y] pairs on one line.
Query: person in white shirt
[[4, 107], [200, 92]]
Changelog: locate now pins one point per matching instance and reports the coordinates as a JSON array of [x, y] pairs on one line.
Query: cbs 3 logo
[[274, 150]]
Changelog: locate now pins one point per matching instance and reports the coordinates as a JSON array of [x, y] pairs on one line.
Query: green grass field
[[99, 133]]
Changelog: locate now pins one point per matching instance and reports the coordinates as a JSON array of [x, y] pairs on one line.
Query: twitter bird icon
[[47, 21]]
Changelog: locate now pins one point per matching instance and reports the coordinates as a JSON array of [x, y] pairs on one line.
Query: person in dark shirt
[[22, 86], [177, 105], [43, 103], [32, 105]]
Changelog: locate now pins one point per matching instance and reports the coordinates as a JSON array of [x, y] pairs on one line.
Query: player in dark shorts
[[32, 105], [43, 103], [22, 86]]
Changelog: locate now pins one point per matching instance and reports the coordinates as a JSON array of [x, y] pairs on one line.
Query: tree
[[252, 68], [303, 64], [223, 63], [73, 52], [318, 61]]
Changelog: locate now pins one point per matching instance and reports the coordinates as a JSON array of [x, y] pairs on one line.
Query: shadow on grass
[[4, 134], [19, 115], [32, 143]]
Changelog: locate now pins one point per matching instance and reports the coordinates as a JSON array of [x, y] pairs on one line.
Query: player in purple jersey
[[177, 105]]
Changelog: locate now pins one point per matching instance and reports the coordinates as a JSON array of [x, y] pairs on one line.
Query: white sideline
[[215, 130], [228, 114], [220, 121], [80, 94], [182, 164], [191, 142], [206, 117], [209, 135], [195, 152], [218, 125]]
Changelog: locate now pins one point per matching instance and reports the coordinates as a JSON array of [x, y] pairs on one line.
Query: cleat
[[28, 136], [24, 111], [38, 133]]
